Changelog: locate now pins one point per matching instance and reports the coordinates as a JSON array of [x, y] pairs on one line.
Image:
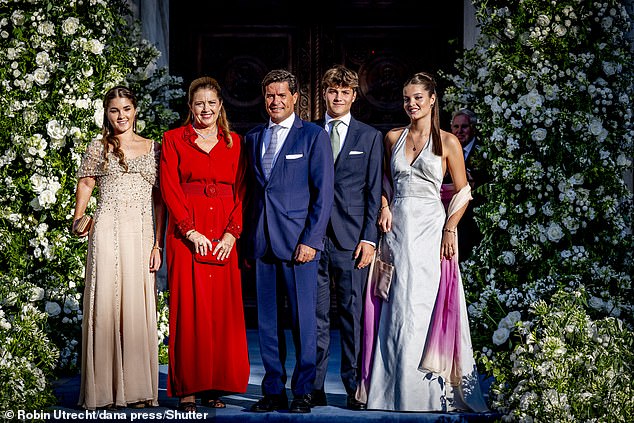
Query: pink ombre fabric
[[442, 347], [371, 315]]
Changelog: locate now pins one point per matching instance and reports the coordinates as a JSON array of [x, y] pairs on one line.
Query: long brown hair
[[427, 81], [208, 83], [107, 131]]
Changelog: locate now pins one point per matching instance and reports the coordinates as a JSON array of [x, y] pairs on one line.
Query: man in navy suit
[[288, 202], [351, 235]]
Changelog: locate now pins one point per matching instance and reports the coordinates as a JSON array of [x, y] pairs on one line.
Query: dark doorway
[[384, 41]]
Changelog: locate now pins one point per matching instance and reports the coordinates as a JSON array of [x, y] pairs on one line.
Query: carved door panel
[[384, 49]]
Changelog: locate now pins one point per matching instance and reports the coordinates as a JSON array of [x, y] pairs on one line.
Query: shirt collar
[[286, 123], [345, 119]]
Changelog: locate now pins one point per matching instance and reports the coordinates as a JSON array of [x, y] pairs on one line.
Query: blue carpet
[[67, 393]]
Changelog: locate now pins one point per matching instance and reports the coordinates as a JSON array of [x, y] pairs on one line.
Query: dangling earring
[[134, 124]]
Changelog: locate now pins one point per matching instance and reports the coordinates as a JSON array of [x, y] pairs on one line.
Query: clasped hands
[[203, 245]]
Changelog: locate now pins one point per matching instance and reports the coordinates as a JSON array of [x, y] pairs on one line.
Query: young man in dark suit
[[351, 236], [289, 171]]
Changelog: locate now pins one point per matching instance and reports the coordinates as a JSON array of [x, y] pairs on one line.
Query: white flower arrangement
[[552, 84], [57, 60]]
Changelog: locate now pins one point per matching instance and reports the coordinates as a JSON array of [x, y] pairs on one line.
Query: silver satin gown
[[413, 244]]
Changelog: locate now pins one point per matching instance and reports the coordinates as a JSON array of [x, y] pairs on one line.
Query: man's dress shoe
[[270, 403], [301, 404], [318, 398]]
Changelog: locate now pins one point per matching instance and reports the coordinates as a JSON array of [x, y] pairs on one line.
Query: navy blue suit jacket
[[295, 203], [358, 176]]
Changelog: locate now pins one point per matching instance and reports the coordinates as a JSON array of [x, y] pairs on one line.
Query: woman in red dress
[[201, 172]]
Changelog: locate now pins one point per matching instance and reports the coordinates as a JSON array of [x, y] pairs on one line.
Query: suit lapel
[[257, 150], [288, 145], [351, 140]]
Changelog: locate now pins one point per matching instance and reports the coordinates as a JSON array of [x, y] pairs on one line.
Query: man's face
[[462, 129], [279, 101], [339, 100]]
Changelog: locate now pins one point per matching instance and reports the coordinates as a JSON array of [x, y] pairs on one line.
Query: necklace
[[413, 143], [201, 134]]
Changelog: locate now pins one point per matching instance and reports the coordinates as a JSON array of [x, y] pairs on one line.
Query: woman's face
[[205, 107], [417, 102], [121, 114]]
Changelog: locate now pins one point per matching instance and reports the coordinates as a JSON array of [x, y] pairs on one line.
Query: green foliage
[[552, 84], [57, 60]]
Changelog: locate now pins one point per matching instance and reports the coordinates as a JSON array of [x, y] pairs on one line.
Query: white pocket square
[[355, 152], [294, 156]]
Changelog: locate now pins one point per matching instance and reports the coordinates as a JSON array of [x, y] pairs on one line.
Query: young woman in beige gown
[[119, 364]]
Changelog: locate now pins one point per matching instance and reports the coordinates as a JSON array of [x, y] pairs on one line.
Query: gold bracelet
[[157, 248], [449, 230], [383, 207]]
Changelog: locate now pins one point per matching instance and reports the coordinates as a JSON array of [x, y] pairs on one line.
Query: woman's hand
[[156, 259], [448, 244], [385, 219], [202, 244], [85, 232], [224, 247]]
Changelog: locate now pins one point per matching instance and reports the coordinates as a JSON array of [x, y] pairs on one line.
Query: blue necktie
[[269, 153]]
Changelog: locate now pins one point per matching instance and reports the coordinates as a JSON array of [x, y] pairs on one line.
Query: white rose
[[500, 336], [87, 72], [560, 30], [46, 28], [70, 25], [543, 20], [38, 183], [508, 258], [95, 46], [40, 76], [52, 308], [37, 294], [533, 99], [140, 125], [47, 197], [554, 232], [17, 17], [82, 103], [608, 68], [514, 317], [71, 304], [595, 126], [42, 59], [55, 130], [539, 134]]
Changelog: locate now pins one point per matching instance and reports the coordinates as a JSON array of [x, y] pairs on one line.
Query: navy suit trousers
[[274, 278]]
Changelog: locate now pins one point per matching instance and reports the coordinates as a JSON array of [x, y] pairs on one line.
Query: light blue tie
[[269, 153]]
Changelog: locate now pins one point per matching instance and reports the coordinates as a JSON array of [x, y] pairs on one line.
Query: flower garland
[[57, 59], [553, 85]]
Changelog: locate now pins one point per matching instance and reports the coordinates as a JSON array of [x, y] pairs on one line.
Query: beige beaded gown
[[119, 357]]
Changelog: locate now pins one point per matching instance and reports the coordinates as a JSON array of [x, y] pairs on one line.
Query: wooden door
[[384, 41]]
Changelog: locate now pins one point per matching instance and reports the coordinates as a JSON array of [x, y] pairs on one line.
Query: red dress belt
[[208, 190]]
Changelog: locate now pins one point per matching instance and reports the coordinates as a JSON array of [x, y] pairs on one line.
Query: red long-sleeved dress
[[207, 339]]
